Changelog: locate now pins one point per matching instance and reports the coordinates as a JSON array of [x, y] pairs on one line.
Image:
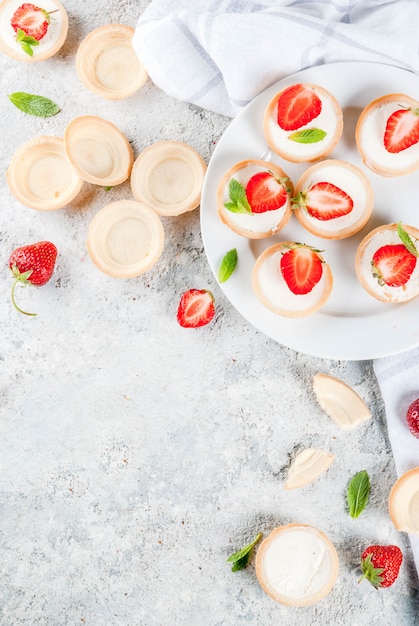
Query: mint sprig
[[238, 199], [33, 104], [358, 493], [26, 41], [228, 265], [241, 558], [406, 240], [309, 135]]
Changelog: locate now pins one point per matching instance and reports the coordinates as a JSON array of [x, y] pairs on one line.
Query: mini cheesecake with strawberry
[[387, 263], [254, 198], [292, 279], [387, 135], [333, 199], [32, 32], [303, 122]]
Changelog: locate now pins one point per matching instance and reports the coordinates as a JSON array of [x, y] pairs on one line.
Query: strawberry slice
[[393, 265], [297, 106], [301, 268], [196, 308], [324, 201], [32, 20], [402, 130], [265, 192]]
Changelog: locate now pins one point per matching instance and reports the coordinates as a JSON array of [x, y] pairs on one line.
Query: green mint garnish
[[238, 200], [310, 135], [241, 558], [26, 41], [358, 492], [406, 240], [34, 105], [228, 265], [108, 187]]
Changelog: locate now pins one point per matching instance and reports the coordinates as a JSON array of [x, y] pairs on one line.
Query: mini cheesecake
[[297, 565], [254, 198], [292, 279], [47, 45], [386, 267], [404, 502], [333, 199], [387, 135], [303, 122]]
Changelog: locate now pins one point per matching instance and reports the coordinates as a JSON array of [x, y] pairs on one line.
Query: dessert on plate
[[404, 502], [333, 199], [297, 565], [387, 135], [32, 32], [292, 279], [303, 122], [254, 198], [386, 262]]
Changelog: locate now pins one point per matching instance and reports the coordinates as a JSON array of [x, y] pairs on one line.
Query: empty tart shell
[[404, 502], [330, 120], [125, 239], [355, 195], [99, 152], [370, 131], [308, 465], [253, 225], [381, 236], [107, 64], [50, 43], [272, 290], [346, 408], [40, 175], [168, 176], [297, 565]]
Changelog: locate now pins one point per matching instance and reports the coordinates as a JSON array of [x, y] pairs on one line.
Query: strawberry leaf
[[34, 105], [228, 265], [310, 135], [358, 492], [406, 240], [241, 558], [238, 199]]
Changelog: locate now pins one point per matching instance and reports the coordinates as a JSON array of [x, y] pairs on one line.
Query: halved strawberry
[[196, 308], [297, 106], [324, 201], [265, 192], [393, 265], [301, 267], [402, 130], [32, 20]]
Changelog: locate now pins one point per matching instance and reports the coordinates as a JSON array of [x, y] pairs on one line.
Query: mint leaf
[[358, 492], [310, 135], [34, 105], [228, 265], [406, 240], [26, 41], [239, 202], [241, 558], [108, 187]]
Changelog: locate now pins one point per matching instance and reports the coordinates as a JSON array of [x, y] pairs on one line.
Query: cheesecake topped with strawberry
[[303, 122], [254, 198], [387, 135]]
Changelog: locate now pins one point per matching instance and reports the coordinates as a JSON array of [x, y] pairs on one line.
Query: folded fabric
[[219, 54]]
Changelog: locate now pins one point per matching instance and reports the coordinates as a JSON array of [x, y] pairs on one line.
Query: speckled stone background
[[135, 455]]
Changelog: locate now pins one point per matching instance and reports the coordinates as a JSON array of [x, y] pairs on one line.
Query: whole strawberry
[[381, 564], [412, 418], [32, 264]]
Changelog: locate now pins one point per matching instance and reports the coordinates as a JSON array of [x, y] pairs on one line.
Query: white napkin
[[219, 54]]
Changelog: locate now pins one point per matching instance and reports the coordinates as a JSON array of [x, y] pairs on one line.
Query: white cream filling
[[254, 222], [399, 294], [297, 564], [327, 121], [8, 34], [372, 139], [276, 290]]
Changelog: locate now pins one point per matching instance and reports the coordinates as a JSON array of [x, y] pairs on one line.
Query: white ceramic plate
[[352, 325]]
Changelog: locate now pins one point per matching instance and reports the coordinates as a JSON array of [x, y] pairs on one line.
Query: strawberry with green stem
[[31, 24], [264, 192], [323, 201], [381, 564], [402, 130], [393, 264], [301, 267], [297, 106], [196, 308], [32, 264]]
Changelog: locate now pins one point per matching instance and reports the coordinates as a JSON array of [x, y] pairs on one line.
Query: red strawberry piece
[[381, 564], [301, 267], [32, 20], [196, 308], [325, 201], [402, 130], [32, 264], [297, 106], [265, 192], [393, 265], [412, 418]]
